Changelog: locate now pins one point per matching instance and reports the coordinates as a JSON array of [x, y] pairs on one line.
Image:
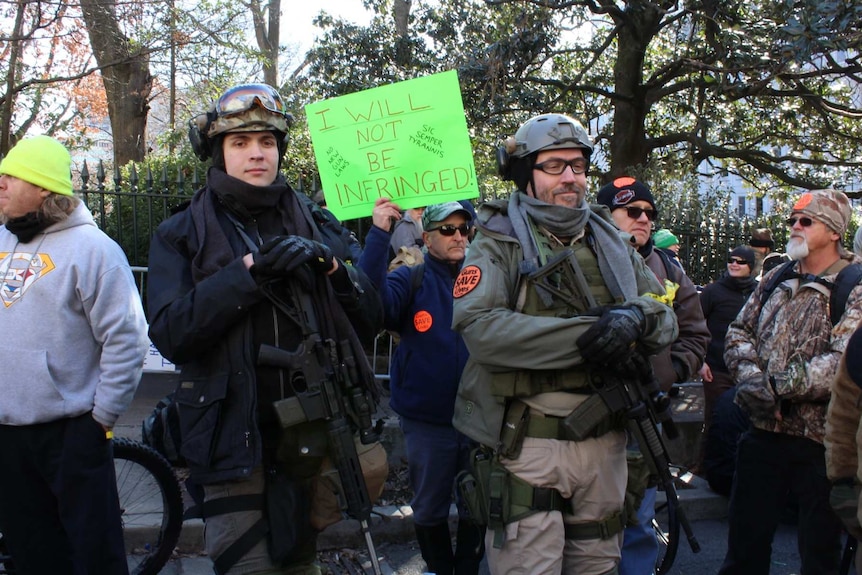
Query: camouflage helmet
[[249, 108], [243, 108], [549, 132]]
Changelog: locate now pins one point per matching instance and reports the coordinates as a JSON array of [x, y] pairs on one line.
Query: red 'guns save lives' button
[[467, 281]]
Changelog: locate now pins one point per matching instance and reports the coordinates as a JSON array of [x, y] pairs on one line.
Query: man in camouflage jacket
[[783, 353]]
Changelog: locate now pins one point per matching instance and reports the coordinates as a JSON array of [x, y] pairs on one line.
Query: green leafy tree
[[768, 91]]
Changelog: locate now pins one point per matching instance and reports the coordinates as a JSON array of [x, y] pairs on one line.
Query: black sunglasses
[[804, 222], [557, 166], [737, 261], [450, 229], [635, 212]]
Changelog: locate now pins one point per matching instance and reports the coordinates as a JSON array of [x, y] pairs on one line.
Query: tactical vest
[[534, 301]]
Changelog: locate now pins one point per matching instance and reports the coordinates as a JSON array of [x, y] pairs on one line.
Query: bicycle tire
[[666, 526], [150, 498]]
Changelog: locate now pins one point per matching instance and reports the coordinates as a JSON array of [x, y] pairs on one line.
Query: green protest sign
[[407, 141]]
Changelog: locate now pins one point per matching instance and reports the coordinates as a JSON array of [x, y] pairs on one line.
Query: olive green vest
[[532, 302]]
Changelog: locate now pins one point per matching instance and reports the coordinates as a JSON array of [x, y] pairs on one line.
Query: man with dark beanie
[[634, 212], [73, 351], [242, 273], [762, 243]]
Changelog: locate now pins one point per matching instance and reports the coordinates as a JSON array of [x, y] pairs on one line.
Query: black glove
[[282, 255], [754, 395], [613, 337]]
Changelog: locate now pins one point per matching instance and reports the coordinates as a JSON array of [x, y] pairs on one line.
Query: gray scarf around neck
[[612, 252]]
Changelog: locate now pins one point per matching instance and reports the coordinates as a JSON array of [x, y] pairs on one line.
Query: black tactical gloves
[[755, 397], [282, 255], [613, 337]]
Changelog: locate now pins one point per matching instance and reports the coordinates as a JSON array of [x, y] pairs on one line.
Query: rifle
[[317, 396], [644, 404]]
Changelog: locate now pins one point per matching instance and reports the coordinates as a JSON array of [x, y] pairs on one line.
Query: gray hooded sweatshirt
[[72, 324]]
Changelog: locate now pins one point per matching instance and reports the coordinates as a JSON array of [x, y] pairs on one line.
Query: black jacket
[[206, 329], [721, 302]]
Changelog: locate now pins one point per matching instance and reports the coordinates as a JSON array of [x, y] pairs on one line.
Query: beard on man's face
[[797, 248]]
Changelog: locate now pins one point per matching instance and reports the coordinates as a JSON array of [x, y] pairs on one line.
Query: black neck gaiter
[[27, 226]]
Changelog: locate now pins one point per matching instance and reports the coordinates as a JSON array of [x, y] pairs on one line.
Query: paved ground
[[393, 532]]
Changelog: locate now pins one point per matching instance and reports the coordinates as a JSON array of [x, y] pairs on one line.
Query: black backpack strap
[[222, 505], [847, 279], [668, 264], [228, 558], [417, 273], [783, 273], [255, 502]]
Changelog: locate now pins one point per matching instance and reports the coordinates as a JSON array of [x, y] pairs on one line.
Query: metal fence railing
[[129, 212]]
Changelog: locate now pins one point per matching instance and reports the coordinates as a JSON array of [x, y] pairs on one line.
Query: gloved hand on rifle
[[612, 339], [282, 255]]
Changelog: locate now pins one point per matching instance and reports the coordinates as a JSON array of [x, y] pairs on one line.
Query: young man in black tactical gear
[[242, 274]]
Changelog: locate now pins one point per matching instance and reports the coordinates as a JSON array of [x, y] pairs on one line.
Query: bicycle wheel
[[666, 526], [151, 505]]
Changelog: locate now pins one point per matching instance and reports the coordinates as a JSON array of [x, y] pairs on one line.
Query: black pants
[[769, 468], [59, 510]]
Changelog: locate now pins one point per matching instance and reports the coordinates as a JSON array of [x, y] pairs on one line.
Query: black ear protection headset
[[198, 127], [513, 168]]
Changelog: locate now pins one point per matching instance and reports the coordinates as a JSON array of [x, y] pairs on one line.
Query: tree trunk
[[9, 100], [267, 35], [628, 147], [126, 75]]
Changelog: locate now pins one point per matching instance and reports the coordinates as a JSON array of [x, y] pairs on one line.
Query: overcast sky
[[296, 17]]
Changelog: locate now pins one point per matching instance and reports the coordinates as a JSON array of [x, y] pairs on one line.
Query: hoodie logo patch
[[19, 272]]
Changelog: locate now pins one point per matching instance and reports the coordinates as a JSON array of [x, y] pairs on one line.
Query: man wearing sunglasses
[[246, 268], [783, 352], [634, 212], [550, 297], [425, 372]]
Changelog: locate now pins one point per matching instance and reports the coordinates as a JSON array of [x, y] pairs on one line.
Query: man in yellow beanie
[[68, 296]]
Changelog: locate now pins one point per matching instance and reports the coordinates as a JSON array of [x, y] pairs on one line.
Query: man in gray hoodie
[[72, 355]]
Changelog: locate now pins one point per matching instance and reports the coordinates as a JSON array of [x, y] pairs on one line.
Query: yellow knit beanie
[[42, 161]]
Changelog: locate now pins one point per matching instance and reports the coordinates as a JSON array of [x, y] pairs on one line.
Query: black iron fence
[[129, 211]]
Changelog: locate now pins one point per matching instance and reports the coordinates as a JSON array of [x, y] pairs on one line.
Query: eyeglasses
[[635, 212], [244, 97], [804, 222], [450, 229], [557, 166], [737, 261]]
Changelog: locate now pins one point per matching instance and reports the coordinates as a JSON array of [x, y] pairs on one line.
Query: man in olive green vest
[[550, 295]]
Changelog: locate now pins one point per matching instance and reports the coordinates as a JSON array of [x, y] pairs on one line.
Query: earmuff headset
[[198, 127], [513, 168]]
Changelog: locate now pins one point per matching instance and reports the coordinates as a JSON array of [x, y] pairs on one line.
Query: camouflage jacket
[[791, 335]]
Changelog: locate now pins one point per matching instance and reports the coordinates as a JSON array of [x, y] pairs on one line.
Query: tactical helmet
[[549, 132], [517, 154], [243, 108]]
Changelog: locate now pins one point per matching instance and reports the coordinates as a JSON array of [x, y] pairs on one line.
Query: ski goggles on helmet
[[249, 108], [246, 96]]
